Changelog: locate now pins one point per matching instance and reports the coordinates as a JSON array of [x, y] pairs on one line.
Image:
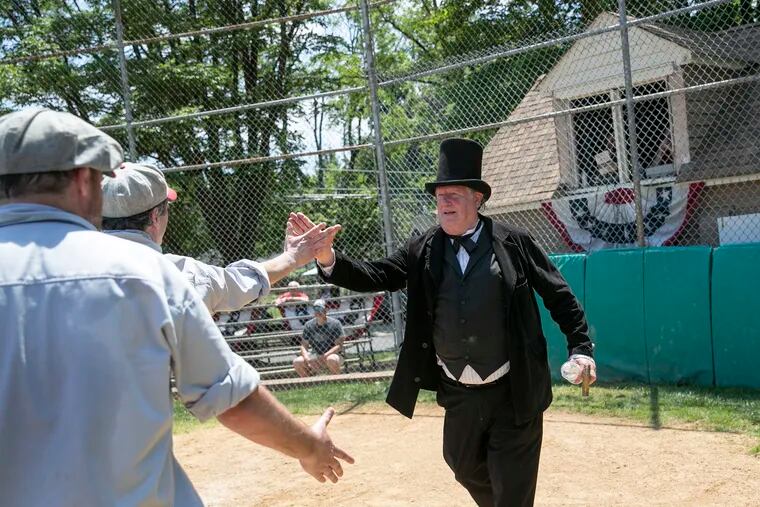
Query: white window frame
[[678, 132]]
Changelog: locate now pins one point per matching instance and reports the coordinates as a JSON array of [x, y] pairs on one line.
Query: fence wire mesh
[[257, 108]]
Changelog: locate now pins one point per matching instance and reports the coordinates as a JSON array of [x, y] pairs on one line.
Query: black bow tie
[[465, 242]]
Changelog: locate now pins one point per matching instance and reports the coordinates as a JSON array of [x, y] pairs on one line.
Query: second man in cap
[[136, 207]]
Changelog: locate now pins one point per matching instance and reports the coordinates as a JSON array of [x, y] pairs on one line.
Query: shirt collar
[[137, 236], [24, 213], [476, 235], [476, 230]]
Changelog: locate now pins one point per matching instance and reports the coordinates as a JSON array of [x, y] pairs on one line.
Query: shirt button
[[416, 380], [424, 345]]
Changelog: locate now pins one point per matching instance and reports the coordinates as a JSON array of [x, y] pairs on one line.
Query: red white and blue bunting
[[607, 219]]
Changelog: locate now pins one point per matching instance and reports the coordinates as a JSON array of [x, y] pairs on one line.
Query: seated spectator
[[294, 311], [321, 344], [294, 294]]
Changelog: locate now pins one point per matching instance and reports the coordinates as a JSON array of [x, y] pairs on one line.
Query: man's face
[[457, 208], [321, 316]]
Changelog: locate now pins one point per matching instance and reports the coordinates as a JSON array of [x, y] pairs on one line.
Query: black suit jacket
[[418, 267]]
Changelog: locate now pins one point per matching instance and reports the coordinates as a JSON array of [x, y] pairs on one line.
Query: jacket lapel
[[433, 265], [501, 241]]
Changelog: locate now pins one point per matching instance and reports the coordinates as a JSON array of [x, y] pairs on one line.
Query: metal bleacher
[[270, 343]]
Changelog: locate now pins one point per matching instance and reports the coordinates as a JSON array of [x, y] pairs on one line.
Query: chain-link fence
[[604, 125]]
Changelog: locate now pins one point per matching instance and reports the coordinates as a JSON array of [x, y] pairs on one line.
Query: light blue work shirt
[[221, 289], [91, 328]]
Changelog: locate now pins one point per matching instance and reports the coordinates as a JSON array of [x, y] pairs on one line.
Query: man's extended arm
[[232, 287], [562, 304], [213, 381]]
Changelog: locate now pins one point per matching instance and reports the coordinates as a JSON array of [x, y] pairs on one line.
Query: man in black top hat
[[473, 332]]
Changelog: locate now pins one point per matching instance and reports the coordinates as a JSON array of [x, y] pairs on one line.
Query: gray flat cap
[[134, 189], [38, 140]]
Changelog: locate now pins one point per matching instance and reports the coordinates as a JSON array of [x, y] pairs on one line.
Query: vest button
[[462, 321], [416, 380], [424, 345], [467, 358], [462, 302]]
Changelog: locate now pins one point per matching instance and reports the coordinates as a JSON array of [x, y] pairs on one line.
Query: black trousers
[[491, 456]]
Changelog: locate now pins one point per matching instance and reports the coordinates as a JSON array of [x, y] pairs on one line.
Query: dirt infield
[[398, 462]]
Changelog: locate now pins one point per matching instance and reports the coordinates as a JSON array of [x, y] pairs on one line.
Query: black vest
[[469, 325]]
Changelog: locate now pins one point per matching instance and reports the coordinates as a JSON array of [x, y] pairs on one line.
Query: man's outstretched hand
[[305, 243], [299, 224], [322, 463]]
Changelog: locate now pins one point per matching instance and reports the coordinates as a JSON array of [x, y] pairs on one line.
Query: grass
[[711, 409], [184, 421]]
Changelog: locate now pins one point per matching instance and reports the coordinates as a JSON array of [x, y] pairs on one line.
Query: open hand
[[305, 245], [322, 463], [299, 224]]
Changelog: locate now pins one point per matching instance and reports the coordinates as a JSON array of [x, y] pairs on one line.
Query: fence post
[[633, 143], [385, 203], [124, 79]]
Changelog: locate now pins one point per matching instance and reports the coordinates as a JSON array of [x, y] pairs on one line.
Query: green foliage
[[234, 210]]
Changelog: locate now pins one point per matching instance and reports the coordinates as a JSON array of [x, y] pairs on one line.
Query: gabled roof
[[594, 64], [521, 163]]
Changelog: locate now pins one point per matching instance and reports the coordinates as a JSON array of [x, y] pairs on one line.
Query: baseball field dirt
[[585, 461]]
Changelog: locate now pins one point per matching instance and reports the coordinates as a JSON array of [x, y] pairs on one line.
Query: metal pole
[[635, 169], [124, 78], [385, 203]]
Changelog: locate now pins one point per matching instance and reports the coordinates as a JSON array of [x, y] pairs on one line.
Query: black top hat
[[459, 163]]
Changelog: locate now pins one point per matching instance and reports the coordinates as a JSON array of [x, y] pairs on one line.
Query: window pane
[[595, 153], [653, 132]]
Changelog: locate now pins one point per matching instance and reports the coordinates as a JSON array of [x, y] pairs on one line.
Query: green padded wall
[[615, 311], [736, 315], [677, 314], [573, 268]]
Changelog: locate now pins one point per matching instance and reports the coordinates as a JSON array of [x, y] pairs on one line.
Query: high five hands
[[300, 225], [305, 240]]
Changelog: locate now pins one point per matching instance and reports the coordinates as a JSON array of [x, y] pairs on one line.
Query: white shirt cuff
[[327, 270], [239, 382]]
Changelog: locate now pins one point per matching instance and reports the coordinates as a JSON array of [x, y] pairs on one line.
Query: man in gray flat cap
[[92, 328], [136, 207]]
